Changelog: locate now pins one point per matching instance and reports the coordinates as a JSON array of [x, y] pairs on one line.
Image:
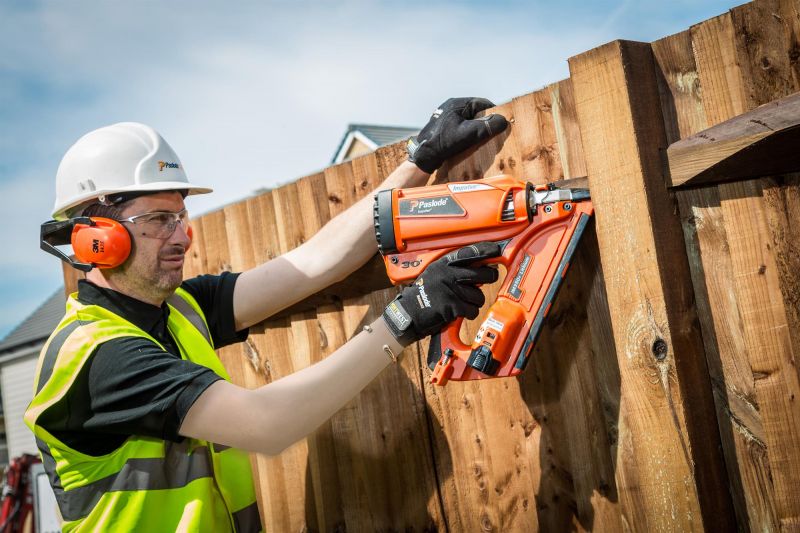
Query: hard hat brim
[[60, 211]]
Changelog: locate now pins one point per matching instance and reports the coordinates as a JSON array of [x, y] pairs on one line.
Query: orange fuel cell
[[538, 229]]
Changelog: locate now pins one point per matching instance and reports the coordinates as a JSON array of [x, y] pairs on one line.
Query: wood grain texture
[[324, 505], [535, 453], [282, 347], [568, 133], [381, 439], [666, 402], [382, 436], [565, 392], [738, 413], [765, 51], [758, 143], [766, 335]]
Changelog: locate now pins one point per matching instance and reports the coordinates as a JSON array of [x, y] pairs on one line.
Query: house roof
[[39, 325], [378, 135]]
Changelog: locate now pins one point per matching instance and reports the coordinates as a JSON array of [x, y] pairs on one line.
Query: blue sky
[[260, 94]]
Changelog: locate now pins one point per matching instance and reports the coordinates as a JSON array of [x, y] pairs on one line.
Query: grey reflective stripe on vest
[[50, 466], [172, 472], [190, 314], [247, 519], [52, 353]]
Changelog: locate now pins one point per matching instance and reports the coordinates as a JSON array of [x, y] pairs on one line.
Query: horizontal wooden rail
[[761, 142]]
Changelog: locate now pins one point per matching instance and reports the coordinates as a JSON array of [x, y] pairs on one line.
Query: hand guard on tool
[[452, 129], [446, 289]]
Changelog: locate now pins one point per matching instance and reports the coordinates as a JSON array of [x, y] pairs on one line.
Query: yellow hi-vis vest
[[147, 484]]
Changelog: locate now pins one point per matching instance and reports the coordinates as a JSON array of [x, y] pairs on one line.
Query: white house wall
[[16, 379]]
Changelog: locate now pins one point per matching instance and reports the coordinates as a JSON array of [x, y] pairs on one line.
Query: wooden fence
[[663, 394]]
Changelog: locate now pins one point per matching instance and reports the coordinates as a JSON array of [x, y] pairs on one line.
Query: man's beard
[[150, 280]]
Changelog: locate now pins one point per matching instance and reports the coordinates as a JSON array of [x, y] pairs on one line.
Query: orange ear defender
[[96, 241], [190, 234], [105, 243]]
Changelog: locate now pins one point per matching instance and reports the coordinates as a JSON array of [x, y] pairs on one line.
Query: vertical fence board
[[766, 335], [383, 439], [764, 50], [488, 462], [287, 348], [486, 441], [706, 244], [665, 400], [568, 133], [323, 499], [380, 437]]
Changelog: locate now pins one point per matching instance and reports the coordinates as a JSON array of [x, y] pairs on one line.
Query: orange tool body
[[538, 229]]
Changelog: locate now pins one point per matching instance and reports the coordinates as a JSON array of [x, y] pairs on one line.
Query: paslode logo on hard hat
[[166, 164]]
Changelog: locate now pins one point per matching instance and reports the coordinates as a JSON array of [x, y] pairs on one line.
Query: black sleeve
[[214, 294], [130, 386]]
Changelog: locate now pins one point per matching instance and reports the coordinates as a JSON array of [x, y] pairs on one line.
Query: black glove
[[451, 130], [444, 291]]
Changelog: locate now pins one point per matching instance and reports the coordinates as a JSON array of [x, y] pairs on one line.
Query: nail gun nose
[[579, 195], [552, 195]]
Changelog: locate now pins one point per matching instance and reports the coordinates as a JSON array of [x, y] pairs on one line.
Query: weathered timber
[[485, 438], [382, 439], [764, 51], [324, 508], [577, 411], [669, 468], [738, 416], [758, 143], [383, 416], [501, 445], [281, 347]]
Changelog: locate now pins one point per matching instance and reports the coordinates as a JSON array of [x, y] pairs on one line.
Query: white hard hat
[[124, 157]]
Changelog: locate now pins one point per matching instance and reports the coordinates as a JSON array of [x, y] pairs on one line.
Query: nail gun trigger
[[434, 350], [502, 245]]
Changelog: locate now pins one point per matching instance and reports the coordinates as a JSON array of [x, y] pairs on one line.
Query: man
[[138, 425]]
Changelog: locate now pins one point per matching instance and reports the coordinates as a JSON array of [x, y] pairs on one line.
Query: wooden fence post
[[669, 466]]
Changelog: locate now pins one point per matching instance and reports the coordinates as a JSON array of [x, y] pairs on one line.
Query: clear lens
[[159, 224]]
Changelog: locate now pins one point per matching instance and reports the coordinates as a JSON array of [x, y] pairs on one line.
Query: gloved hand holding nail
[[452, 129]]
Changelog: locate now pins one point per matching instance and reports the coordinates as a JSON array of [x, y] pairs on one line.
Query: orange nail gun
[[538, 229]]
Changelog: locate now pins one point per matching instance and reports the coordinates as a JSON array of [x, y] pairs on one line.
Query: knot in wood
[[528, 428], [323, 338], [660, 349], [251, 354]]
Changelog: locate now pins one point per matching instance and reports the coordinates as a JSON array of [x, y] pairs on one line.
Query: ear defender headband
[[96, 241]]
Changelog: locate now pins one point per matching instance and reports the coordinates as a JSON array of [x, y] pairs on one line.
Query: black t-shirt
[[130, 386]]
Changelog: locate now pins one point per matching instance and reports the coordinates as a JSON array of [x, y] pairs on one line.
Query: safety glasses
[[159, 224]]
